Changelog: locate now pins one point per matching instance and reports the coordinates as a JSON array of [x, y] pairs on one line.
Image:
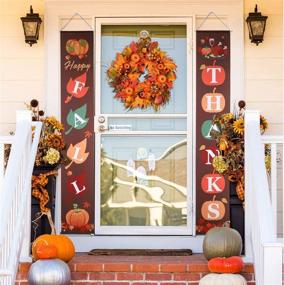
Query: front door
[[144, 159]]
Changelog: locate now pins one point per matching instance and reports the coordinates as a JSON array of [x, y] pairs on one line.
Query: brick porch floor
[[136, 270]]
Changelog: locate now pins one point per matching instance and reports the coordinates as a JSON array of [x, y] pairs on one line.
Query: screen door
[[144, 155]]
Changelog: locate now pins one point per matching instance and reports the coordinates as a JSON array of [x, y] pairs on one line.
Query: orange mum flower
[[162, 78], [135, 57], [129, 91]]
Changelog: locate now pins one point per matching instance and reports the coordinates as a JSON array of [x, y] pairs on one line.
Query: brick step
[[136, 270]]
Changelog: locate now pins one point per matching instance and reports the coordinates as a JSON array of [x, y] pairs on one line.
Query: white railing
[[260, 218], [276, 181], [4, 140], [15, 197]]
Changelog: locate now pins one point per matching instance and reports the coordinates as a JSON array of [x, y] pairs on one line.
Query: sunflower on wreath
[[229, 137], [144, 59]]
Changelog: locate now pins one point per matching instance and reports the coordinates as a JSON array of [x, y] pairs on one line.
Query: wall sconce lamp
[[31, 24], [256, 26]]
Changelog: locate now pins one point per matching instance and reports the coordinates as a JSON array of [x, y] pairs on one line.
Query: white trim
[[193, 130], [146, 230], [145, 116], [84, 243], [142, 133]]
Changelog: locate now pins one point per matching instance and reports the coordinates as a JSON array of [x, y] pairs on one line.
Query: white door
[[144, 161]]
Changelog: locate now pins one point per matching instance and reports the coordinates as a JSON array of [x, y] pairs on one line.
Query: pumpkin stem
[[51, 223], [76, 208], [227, 224]]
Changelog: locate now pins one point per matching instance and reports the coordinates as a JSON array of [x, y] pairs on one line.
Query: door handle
[[102, 128], [101, 124]]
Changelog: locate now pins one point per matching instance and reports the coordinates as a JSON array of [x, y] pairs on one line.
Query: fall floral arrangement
[[51, 145], [229, 137], [142, 59]]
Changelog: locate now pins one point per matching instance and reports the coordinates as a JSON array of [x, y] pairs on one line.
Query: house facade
[[161, 145]]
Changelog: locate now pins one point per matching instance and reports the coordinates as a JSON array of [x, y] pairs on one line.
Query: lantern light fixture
[[31, 25], [256, 26]]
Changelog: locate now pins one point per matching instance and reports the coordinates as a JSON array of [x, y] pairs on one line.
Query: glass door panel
[[143, 182], [143, 156], [172, 39]]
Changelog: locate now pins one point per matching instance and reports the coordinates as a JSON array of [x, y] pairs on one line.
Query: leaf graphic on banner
[[77, 153], [88, 134], [76, 87], [77, 119]]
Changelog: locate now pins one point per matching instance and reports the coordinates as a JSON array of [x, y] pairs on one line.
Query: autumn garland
[[142, 58]]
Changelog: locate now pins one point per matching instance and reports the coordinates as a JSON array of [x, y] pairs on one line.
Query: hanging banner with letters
[[77, 112], [212, 97]]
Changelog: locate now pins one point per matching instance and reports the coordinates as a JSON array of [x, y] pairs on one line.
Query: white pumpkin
[[49, 272], [223, 279]]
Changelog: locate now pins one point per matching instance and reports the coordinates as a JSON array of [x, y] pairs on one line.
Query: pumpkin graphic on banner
[[77, 217], [77, 47], [142, 59]]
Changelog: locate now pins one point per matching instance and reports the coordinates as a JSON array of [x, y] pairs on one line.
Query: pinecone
[[240, 190]]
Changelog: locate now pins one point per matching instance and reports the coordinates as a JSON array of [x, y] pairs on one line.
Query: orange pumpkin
[[73, 47], [84, 47], [233, 264], [213, 102], [213, 183], [46, 251], [77, 217], [213, 210], [64, 246], [213, 75]]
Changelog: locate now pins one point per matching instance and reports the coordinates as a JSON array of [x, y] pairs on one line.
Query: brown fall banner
[[212, 97], [77, 112]]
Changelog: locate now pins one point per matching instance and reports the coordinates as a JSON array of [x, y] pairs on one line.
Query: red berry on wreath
[[158, 100]]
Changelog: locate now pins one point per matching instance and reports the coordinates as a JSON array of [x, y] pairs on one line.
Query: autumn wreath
[[142, 60]]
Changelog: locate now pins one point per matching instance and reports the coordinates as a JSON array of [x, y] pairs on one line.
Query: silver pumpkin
[[49, 272]]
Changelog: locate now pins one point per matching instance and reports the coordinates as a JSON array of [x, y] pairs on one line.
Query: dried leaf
[[202, 147], [224, 200]]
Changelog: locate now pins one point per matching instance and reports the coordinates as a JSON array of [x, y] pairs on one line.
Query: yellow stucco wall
[[22, 67]]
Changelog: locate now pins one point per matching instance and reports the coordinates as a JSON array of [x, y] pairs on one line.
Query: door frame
[[58, 13], [190, 132]]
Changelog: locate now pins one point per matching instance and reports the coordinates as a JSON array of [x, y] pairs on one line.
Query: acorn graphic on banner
[[77, 119]]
